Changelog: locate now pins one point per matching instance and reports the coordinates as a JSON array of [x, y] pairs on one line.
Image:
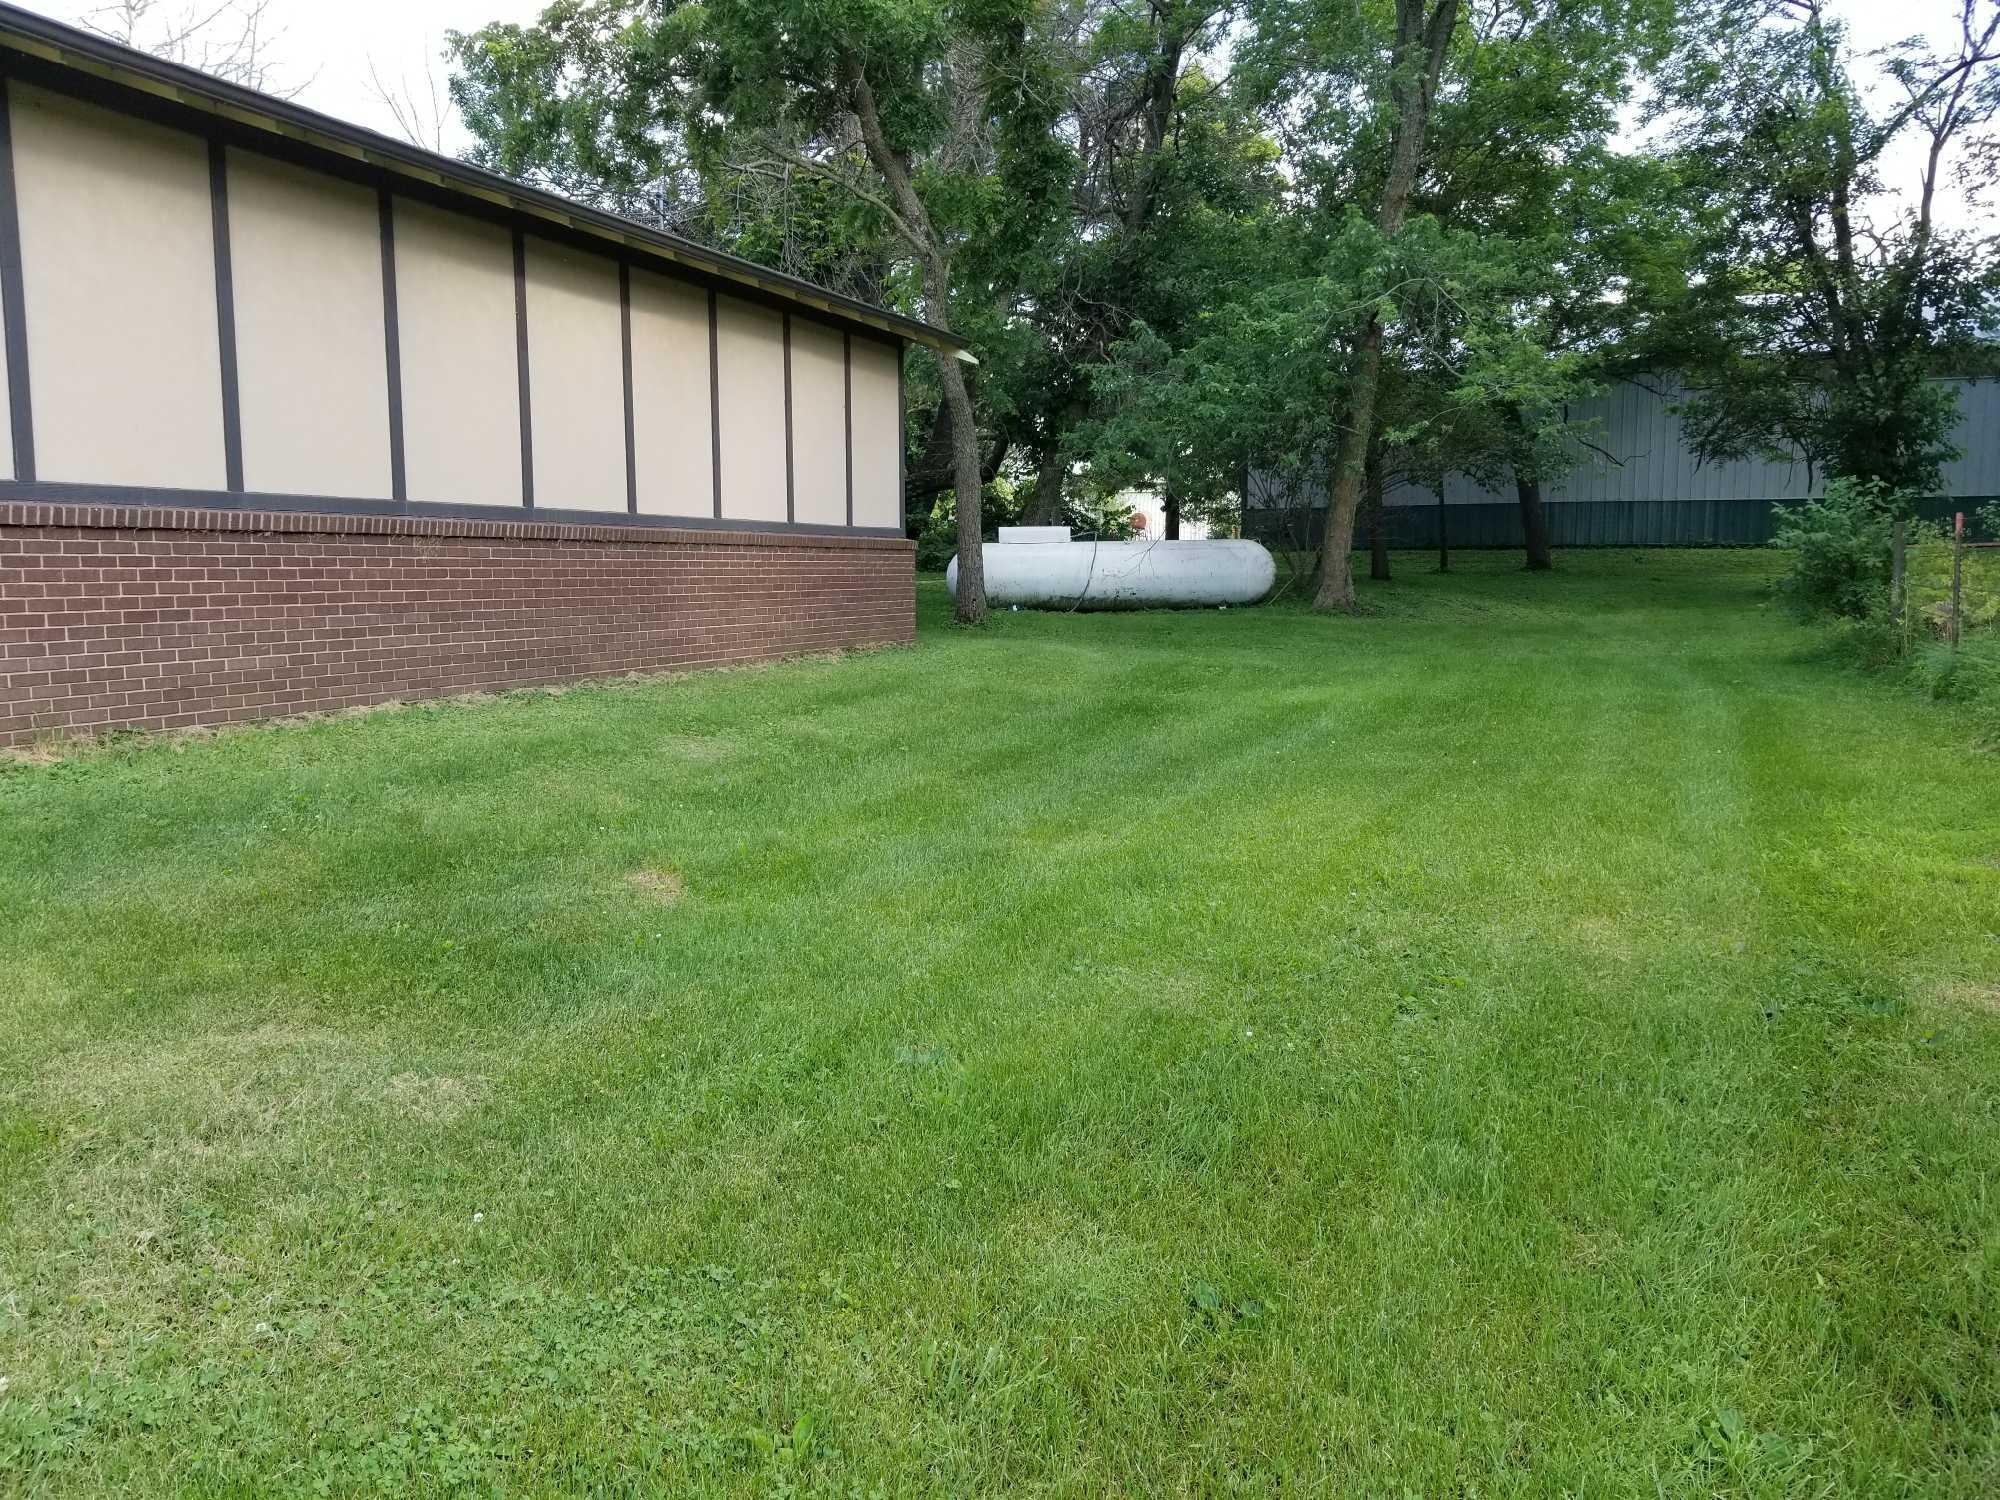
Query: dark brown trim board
[[625, 355], [225, 315], [791, 477], [392, 345], [847, 417], [521, 363], [715, 404], [902, 442], [20, 405], [167, 498]]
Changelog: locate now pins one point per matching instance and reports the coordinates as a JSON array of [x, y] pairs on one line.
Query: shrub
[[937, 530], [1839, 548]]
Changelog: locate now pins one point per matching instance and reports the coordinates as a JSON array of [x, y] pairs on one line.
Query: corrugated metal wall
[[1586, 523], [1646, 488]]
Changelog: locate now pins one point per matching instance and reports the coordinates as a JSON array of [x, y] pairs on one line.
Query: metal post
[[1957, 573], [1898, 540]]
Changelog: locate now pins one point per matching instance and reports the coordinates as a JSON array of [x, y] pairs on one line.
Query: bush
[[1839, 546], [937, 531]]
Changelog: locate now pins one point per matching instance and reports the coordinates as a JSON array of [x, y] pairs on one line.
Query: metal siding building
[[1647, 487]]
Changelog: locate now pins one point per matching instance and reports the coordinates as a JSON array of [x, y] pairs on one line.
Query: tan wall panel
[[819, 424], [118, 257], [750, 345], [672, 441], [455, 330], [305, 253], [878, 435], [576, 379]]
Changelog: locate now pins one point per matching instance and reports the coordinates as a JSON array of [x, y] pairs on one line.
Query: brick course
[[116, 617]]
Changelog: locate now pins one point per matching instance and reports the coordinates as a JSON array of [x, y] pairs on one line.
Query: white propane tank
[[1060, 574]]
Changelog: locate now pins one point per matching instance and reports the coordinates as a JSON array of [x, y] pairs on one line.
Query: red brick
[[212, 616]]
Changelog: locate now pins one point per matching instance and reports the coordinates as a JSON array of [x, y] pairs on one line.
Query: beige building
[[218, 299]]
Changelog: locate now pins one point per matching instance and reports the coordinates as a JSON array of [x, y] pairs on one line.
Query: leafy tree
[[1520, 150], [1509, 284], [922, 124], [1167, 167], [1399, 69], [1825, 298]]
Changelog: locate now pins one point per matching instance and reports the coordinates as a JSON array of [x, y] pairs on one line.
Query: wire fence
[[1950, 604], [1951, 587]]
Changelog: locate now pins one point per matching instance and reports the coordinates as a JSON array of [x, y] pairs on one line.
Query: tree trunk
[[914, 222], [1534, 521], [1050, 474], [971, 604], [1378, 517], [1336, 563], [1422, 36], [1444, 533], [1170, 509]]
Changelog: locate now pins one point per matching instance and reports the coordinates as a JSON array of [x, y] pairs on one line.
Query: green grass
[[1543, 1037]]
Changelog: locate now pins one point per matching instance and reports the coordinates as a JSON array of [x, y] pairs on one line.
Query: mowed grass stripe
[[1525, 1040]]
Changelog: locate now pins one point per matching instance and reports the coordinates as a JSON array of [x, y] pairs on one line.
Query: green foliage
[[1000, 504], [1837, 550], [1153, 217], [1838, 572], [1819, 307]]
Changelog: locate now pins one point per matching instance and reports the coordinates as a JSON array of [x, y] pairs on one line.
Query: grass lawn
[[1543, 1037]]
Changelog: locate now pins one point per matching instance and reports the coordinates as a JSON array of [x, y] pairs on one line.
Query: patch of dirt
[[432, 1097], [702, 747], [1606, 935], [1594, 1249], [47, 753], [148, 1136], [1984, 997], [663, 886]]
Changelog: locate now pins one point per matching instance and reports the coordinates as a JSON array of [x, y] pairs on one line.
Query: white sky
[[332, 42]]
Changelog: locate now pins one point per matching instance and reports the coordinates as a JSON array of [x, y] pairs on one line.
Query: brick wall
[[113, 616]]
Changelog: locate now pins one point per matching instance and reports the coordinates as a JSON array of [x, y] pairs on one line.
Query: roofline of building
[[85, 53]]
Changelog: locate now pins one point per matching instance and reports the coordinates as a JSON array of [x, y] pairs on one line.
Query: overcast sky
[[332, 42], [328, 46]]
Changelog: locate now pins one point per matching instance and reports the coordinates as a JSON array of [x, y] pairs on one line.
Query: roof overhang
[[82, 52]]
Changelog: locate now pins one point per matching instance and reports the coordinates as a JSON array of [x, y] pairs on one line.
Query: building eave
[[81, 52]]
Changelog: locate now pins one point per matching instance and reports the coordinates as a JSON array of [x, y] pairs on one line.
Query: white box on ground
[[1034, 533]]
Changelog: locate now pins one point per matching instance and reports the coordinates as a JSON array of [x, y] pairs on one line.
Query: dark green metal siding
[[1572, 523]]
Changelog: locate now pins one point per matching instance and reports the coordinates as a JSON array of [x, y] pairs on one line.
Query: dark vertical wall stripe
[[225, 315], [714, 404], [392, 346], [521, 362], [625, 353], [791, 478], [902, 440], [20, 409], [847, 415]]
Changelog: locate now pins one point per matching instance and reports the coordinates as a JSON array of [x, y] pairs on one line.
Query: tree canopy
[[1355, 240]]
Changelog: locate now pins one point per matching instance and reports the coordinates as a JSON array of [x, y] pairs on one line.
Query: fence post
[[1898, 539], [1957, 573]]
